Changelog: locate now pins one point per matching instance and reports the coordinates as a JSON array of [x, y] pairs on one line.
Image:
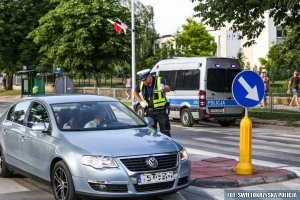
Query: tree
[[242, 58], [248, 16], [194, 40], [167, 51], [283, 58], [77, 36], [145, 34], [17, 19]]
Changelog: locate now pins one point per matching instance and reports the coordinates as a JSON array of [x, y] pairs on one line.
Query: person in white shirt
[[99, 118]]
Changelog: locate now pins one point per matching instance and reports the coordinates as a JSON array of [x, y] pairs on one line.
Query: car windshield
[[83, 116]]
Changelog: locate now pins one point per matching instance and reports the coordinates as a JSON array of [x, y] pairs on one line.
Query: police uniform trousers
[[161, 117]]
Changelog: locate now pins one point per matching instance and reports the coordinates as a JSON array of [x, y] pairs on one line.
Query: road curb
[[219, 172], [215, 183]]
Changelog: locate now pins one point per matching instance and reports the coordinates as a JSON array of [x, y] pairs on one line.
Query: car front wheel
[[4, 171], [62, 183]]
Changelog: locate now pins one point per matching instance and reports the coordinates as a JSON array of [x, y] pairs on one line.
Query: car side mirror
[[40, 127], [149, 121]]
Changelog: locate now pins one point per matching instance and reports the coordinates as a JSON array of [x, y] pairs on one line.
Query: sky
[[169, 15]]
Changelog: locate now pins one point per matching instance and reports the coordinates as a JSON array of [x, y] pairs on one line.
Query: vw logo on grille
[[152, 162]]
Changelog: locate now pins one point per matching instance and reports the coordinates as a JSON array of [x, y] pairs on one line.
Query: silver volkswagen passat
[[88, 145]]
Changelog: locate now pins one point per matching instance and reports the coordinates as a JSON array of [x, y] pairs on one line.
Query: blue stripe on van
[[178, 102], [209, 102], [221, 103]]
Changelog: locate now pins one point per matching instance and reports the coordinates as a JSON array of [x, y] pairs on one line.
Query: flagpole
[[132, 50]]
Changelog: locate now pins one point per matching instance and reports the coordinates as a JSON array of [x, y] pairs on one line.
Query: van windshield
[[221, 73]]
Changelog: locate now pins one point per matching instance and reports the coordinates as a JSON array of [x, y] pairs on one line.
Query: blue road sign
[[248, 89]]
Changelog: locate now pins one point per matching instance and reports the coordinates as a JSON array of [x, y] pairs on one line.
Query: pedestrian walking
[[266, 82], [293, 88], [127, 86], [153, 99]]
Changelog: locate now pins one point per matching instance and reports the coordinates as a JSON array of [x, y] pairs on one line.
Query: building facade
[[228, 44], [160, 42]]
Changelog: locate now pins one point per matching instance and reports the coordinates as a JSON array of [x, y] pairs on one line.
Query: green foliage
[[145, 34], [281, 115], [242, 58], [17, 19], [167, 51], [248, 16], [279, 86], [194, 40], [77, 36], [284, 58]]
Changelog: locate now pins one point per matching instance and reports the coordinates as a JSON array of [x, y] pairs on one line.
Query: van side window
[[187, 79], [169, 78]]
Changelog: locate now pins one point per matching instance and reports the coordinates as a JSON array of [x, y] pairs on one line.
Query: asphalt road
[[271, 146]]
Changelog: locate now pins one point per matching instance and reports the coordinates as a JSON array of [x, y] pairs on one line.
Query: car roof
[[69, 98]]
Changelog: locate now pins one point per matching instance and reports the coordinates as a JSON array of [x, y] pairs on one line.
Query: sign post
[[248, 90]]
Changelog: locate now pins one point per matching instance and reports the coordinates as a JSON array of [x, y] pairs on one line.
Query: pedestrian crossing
[[270, 147]]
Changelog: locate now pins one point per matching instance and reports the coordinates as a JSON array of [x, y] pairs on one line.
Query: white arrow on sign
[[252, 92]]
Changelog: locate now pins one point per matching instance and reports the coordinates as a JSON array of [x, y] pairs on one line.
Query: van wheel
[[4, 171], [140, 111], [186, 118], [226, 123]]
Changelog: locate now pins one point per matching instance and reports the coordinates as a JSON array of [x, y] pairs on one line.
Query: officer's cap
[[264, 70], [144, 74]]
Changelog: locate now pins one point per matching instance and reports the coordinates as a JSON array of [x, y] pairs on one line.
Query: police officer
[[153, 99]]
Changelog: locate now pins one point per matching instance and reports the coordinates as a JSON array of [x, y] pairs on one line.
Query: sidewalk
[[219, 172]]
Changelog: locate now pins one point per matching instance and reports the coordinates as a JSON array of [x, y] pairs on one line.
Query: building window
[[234, 36], [279, 34], [229, 36], [156, 46]]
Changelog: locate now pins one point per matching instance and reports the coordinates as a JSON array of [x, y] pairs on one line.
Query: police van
[[200, 89]]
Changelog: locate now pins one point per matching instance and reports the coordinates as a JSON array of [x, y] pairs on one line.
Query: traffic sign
[[248, 89]]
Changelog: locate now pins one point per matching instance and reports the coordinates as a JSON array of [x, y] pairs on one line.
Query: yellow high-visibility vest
[[159, 98]]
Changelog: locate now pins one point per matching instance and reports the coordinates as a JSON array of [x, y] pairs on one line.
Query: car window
[[95, 115], [37, 114], [17, 112]]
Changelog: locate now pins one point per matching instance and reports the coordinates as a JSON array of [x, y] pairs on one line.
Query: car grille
[[110, 187], [139, 164], [155, 186]]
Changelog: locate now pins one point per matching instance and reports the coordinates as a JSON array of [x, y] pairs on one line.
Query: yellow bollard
[[245, 166]]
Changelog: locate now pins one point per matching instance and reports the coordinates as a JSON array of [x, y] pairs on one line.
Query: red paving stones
[[219, 172]]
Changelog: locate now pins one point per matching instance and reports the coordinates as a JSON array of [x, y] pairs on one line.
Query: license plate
[[155, 178], [217, 110]]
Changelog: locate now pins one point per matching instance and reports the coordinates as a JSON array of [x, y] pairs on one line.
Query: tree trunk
[[9, 82]]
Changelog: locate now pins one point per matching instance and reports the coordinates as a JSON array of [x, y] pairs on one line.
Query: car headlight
[[99, 162], [184, 154]]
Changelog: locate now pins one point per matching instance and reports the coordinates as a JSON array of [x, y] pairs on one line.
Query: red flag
[[119, 26], [124, 26]]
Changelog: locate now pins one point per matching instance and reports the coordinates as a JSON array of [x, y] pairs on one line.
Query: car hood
[[123, 142]]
